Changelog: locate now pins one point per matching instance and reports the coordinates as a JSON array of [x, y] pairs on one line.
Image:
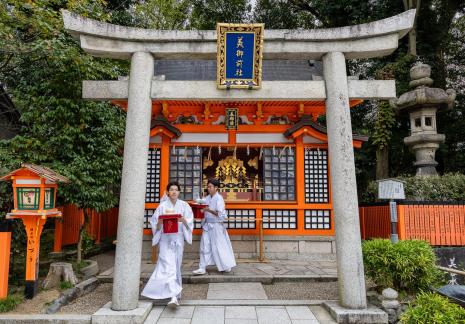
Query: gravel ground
[[91, 302], [37, 304], [302, 290]]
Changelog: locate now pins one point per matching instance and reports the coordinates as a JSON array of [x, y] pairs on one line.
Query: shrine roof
[[160, 120], [41, 171], [306, 120], [272, 70]]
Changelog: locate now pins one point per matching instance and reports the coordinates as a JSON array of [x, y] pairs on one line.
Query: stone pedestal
[[106, 315]]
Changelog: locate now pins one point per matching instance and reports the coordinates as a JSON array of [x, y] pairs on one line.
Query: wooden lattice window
[[186, 169], [147, 215], [245, 219], [316, 176], [279, 173], [318, 219], [152, 191], [279, 219]]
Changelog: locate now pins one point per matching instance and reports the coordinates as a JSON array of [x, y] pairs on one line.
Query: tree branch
[[7, 61], [306, 7]]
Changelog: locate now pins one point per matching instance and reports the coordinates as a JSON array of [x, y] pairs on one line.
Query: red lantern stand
[[34, 192]]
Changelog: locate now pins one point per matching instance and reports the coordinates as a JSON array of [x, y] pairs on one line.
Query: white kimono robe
[[166, 279], [215, 246]]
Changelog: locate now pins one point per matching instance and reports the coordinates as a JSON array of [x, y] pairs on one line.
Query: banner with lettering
[[239, 61]]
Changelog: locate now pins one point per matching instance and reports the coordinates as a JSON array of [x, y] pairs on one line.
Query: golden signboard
[[239, 58], [231, 119]]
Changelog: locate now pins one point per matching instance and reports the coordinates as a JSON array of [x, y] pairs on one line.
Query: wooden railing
[[440, 224], [100, 226]]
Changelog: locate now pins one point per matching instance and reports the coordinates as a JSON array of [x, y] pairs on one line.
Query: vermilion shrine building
[[274, 166], [279, 165]]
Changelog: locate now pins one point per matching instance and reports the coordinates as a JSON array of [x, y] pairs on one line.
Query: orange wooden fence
[[438, 224], [101, 225], [375, 222]]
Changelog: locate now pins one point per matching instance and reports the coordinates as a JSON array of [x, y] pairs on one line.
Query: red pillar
[[5, 243]]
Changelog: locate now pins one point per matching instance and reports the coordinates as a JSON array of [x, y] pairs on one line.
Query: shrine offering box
[[197, 210], [170, 223]]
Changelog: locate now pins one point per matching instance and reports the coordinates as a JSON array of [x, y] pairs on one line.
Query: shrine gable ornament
[[239, 61]]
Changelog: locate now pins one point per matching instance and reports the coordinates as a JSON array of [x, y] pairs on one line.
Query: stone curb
[[69, 295], [244, 302], [91, 270], [45, 319], [267, 280], [341, 314]]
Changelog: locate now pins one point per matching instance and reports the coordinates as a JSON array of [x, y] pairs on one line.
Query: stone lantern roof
[[422, 95]]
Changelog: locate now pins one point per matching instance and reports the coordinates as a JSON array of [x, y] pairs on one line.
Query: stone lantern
[[422, 103]]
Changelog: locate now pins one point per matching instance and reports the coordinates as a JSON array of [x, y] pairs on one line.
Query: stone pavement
[[240, 303], [264, 272], [277, 314]]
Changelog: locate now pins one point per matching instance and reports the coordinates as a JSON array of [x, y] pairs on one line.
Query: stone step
[[250, 314], [268, 279], [241, 302]]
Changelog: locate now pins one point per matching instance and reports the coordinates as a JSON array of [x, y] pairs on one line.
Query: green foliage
[[87, 243], [384, 122], [205, 14], [65, 285], [278, 14], [448, 187], [79, 265], [431, 308], [43, 68], [9, 303], [161, 14], [409, 265]]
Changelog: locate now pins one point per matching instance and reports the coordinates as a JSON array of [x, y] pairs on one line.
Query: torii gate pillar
[[132, 196], [351, 278], [333, 46]]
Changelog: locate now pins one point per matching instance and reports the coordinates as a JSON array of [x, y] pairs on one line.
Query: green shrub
[[9, 303], [409, 265], [65, 285], [431, 308], [448, 187]]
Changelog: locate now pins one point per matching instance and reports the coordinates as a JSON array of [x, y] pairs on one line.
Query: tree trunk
[[382, 163], [79, 245], [412, 35], [412, 41], [81, 236], [59, 271]]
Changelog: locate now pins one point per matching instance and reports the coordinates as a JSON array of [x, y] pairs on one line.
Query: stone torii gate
[[332, 46]]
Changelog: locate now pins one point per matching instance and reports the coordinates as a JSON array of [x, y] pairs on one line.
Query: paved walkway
[[264, 272], [237, 303], [239, 315]]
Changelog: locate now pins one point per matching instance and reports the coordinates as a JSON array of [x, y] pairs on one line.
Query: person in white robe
[[215, 245], [166, 280]]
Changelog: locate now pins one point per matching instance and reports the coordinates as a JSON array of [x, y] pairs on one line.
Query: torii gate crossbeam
[[332, 46]]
